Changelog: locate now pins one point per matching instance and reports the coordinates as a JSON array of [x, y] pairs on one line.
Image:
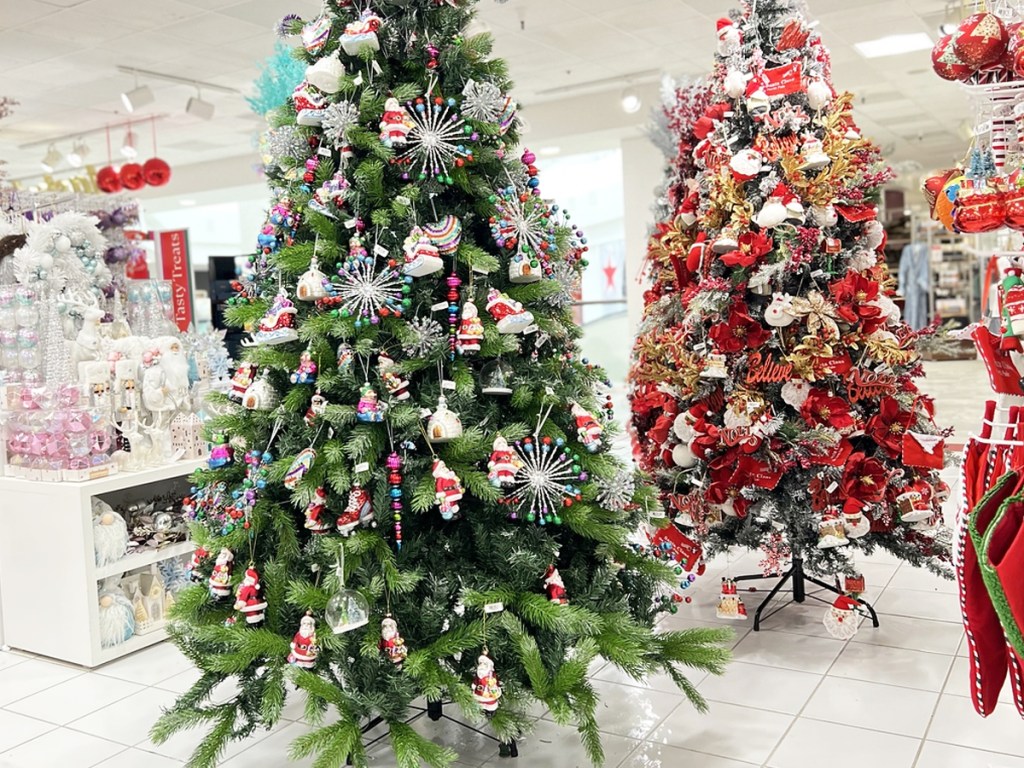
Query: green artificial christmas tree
[[411, 497]]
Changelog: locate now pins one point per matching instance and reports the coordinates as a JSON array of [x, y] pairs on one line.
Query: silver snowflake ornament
[[338, 119], [482, 101], [438, 139], [283, 147], [568, 278], [364, 292], [425, 337], [545, 482], [616, 492]]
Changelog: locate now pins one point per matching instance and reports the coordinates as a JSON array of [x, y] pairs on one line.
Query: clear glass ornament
[[347, 609], [496, 378]]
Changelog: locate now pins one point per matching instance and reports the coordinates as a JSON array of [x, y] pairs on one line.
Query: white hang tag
[[658, 513], [530, 329], [425, 413], [363, 466], [439, 306], [494, 608], [358, 79], [818, 273], [833, 487], [380, 250], [350, 224], [324, 151], [403, 200], [376, 67], [448, 384]]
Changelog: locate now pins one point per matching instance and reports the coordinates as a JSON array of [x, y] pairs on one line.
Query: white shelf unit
[[48, 564]]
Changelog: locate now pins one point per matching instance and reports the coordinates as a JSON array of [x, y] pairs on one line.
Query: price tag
[[380, 250], [358, 79], [832, 488], [697, 481], [658, 513], [481, 270], [817, 273], [403, 200], [363, 466], [376, 67], [700, 347], [494, 608], [350, 224], [323, 151], [542, 339], [447, 384], [531, 329], [425, 413], [439, 306]]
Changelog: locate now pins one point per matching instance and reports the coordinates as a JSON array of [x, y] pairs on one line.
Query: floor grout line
[[931, 717]]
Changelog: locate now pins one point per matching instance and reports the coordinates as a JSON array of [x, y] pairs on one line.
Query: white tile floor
[[892, 697]]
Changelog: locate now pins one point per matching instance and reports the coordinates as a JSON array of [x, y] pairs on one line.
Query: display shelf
[[47, 528], [134, 643], [142, 559]]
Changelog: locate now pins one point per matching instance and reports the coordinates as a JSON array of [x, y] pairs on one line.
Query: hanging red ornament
[[156, 172], [132, 176], [108, 180], [1014, 60], [981, 40], [946, 63]]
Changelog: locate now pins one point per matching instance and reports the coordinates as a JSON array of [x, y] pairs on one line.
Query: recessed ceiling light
[[631, 101], [894, 45], [549, 151], [186, 202]]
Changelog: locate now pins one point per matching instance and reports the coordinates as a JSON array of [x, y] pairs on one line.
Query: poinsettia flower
[[864, 478], [824, 409], [852, 295], [751, 247], [888, 426], [820, 314], [738, 332]]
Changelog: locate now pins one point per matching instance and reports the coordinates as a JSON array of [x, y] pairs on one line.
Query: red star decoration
[[609, 270]]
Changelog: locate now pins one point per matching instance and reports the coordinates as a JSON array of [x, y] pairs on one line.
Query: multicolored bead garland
[[394, 464]]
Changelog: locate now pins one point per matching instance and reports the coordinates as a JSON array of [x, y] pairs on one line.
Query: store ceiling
[[59, 59]]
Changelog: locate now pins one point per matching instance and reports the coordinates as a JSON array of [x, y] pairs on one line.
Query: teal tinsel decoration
[[279, 75]]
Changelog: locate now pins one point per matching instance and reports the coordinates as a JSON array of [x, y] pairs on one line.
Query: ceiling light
[[893, 45], [199, 108], [187, 202], [139, 96], [128, 145], [51, 159], [78, 153], [631, 101], [550, 151]]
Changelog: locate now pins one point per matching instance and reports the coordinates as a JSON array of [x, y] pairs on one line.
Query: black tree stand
[[435, 711], [799, 577]]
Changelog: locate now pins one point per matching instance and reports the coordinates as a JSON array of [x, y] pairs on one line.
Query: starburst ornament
[[546, 481], [616, 492], [283, 147], [338, 119], [522, 224], [364, 291], [438, 139], [485, 102], [424, 338], [568, 278]]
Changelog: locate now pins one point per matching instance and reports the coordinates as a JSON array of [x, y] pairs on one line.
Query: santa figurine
[[391, 642], [503, 465], [303, 645], [220, 577], [396, 386], [248, 599], [315, 519], [508, 314], [486, 686], [368, 408], [588, 430], [244, 376], [729, 37], [554, 586], [448, 488], [358, 510], [841, 618], [395, 124], [317, 408], [198, 555], [471, 330]]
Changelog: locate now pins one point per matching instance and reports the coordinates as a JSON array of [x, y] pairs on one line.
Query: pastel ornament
[[779, 314], [325, 75]]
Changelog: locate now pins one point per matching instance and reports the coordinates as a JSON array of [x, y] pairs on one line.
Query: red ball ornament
[[946, 63], [108, 180], [1014, 60], [156, 172], [132, 176], [981, 40]]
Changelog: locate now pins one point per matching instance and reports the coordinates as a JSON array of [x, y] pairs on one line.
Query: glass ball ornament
[[347, 610], [496, 378]]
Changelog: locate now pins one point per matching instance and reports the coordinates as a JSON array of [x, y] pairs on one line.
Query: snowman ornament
[[779, 313]]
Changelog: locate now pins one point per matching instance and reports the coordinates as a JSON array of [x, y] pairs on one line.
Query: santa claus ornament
[[486, 686], [981, 40], [503, 464], [391, 642], [249, 599], [220, 577], [448, 490], [554, 586], [303, 645], [841, 618]]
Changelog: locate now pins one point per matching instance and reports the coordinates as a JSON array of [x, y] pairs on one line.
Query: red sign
[[172, 253], [779, 81]]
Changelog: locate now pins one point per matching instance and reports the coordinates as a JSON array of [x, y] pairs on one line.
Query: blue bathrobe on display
[[914, 279]]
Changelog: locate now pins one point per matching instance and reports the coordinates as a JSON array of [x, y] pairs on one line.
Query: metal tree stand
[[435, 711], [799, 577]]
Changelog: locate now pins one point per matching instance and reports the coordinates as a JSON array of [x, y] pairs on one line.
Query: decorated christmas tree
[[410, 498], [772, 391]]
